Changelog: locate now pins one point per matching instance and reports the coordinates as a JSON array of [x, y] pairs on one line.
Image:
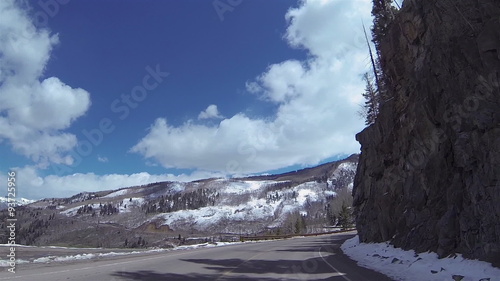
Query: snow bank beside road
[[88, 256], [409, 266]]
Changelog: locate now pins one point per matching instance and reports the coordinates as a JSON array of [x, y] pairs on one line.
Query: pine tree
[[371, 95], [345, 217], [300, 224], [383, 14], [331, 216]]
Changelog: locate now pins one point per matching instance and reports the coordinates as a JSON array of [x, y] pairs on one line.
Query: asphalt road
[[310, 258]]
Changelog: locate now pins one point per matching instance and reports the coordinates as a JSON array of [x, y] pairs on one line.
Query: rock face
[[429, 171]]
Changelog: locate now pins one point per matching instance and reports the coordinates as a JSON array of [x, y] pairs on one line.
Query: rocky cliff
[[429, 171]]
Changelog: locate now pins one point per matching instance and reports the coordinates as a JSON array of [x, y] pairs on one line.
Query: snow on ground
[[83, 196], [305, 194], [329, 193], [409, 266], [117, 193], [6, 263], [73, 211], [348, 166], [18, 201], [240, 187], [171, 189], [177, 187], [253, 210], [87, 256], [64, 258], [206, 245], [130, 203]]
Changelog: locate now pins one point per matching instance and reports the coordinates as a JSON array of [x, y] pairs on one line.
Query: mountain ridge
[[156, 214], [16, 201]]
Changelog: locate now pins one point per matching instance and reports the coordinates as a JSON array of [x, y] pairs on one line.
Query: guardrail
[[274, 237]]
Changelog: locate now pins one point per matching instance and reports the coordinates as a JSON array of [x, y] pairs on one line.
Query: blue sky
[[97, 95]]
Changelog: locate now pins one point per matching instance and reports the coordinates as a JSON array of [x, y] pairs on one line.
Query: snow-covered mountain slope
[[17, 202], [259, 204]]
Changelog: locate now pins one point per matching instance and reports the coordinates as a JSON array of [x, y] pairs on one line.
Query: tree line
[[104, 209], [181, 201], [376, 84]]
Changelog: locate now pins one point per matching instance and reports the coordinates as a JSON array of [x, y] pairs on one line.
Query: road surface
[[309, 258]]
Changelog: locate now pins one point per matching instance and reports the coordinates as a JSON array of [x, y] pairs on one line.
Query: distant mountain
[[156, 213], [17, 202]]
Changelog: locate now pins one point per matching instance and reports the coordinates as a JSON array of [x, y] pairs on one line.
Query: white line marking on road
[[340, 273]]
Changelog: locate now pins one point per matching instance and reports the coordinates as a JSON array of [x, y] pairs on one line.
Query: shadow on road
[[238, 269], [326, 259], [146, 275]]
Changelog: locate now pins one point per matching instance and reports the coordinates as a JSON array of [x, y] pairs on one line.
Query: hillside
[[157, 213], [428, 175]]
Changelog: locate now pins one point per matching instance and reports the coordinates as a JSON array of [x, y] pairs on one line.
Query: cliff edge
[[429, 170]]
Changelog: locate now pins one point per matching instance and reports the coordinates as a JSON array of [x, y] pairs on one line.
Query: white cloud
[[33, 112], [317, 102], [102, 159], [32, 185], [329, 28], [284, 79], [210, 113]]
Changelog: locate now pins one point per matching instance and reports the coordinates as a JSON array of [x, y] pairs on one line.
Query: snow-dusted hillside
[[147, 213], [228, 205], [248, 202]]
